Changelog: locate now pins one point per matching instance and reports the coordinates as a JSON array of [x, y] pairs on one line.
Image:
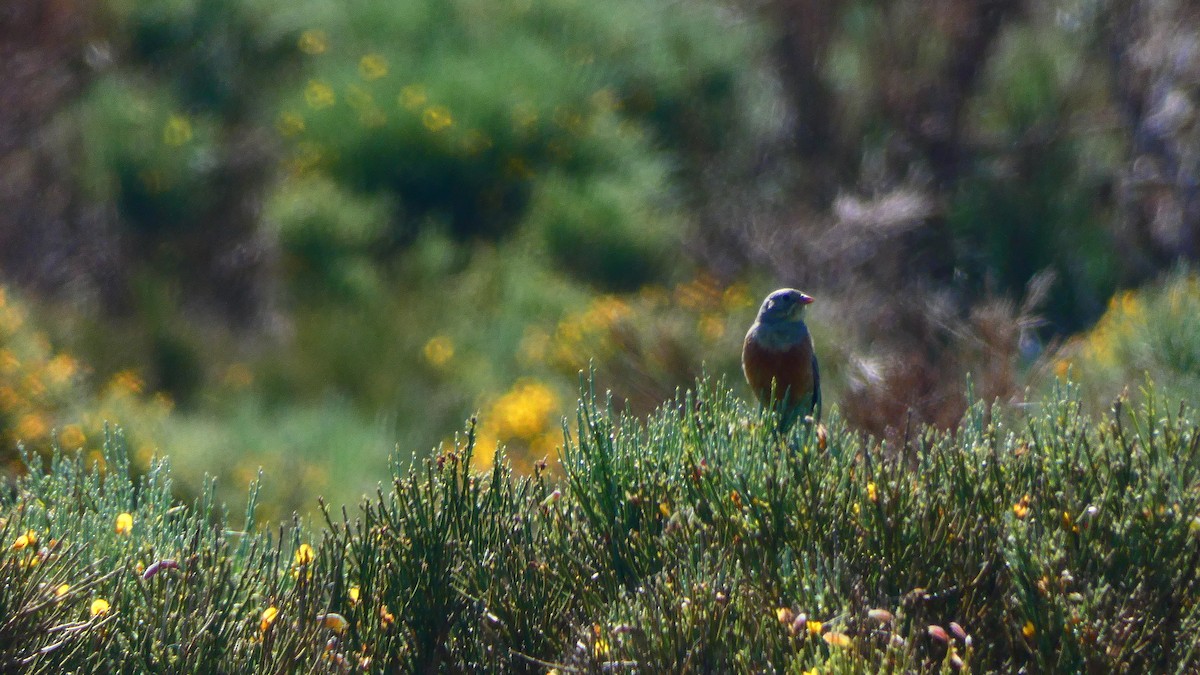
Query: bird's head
[[785, 305]]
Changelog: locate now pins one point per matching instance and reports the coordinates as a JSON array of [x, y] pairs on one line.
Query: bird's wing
[[816, 400]]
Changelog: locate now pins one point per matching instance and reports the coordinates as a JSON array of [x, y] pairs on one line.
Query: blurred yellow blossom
[[412, 97], [306, 157], [124, 524], [126, 382], [737, 297], [534, 344], [290, 124], [33, 385], [99, 606], [8, 361], [177, 131], [436, 118], [1061, 368], [711, 326], [9, 399], [313, 42], [62, 590], [61, 368], [474, 142], [837, 639], [319, 95], [1028, 630], [525, 410], [31, 426], [72, 437], [354, 593], [438, 350], [372, 67]]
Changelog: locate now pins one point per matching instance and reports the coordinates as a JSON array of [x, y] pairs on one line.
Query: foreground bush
[[696, 540]]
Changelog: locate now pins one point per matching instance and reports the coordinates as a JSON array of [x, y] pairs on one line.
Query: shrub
[[697, 538], [1147, 333]]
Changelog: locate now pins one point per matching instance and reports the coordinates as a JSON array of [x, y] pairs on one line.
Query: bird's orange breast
[[789, 369]]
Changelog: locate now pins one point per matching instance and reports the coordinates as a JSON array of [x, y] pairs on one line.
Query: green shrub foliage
[[698, 539]]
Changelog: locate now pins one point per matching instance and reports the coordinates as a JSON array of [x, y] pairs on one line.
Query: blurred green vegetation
[[1146, 335]]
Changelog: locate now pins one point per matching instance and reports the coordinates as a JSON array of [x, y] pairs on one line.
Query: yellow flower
[[319, 95], [412, 97], [386, 618], [304, 555], [372, 67], [62, 590], [711, 327], [1021, 508], [436, 118], [354, 594], [100, 606], [307, 157], [1028, 630], [334, 622], [439, 350], [124, 523], [61, 368], [290, 124], [8, 361], [525, 411], [72, 437], [31, 426], [126, 382], [268, 618], [872, 492], [177, 131], [1061, 368], [27, 539], [837, 639], [313, 42], [815, 627], [9, 398]]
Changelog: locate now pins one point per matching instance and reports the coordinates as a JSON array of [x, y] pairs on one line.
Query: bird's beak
[[806, 299]]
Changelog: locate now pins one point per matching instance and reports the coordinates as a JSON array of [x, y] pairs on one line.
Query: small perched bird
[[778, 358]]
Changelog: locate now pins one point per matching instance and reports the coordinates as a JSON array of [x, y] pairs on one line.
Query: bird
[[778, 359]]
